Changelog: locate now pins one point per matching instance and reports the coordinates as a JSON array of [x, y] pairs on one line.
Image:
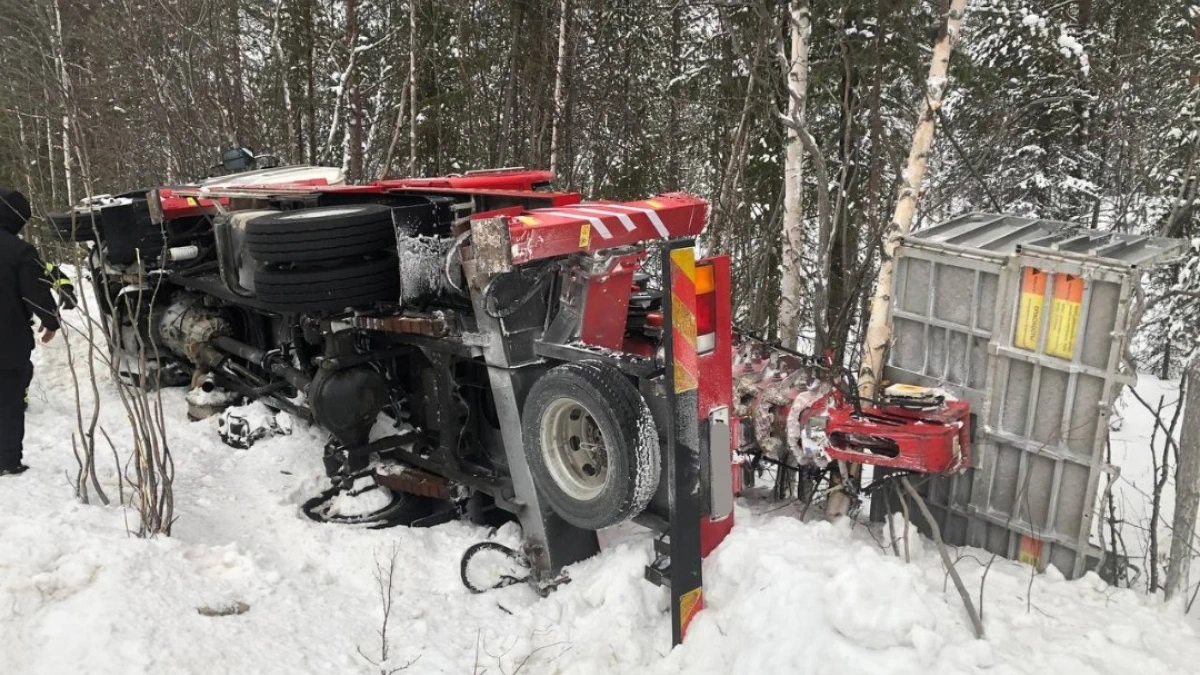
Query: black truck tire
[[328, 289], [591, 444], [324, 233]]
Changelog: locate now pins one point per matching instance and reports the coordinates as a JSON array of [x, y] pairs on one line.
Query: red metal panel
[[934, 441], [713, 532], [716, 366], [589, 227], [606, 303], [174, 206], [716, 390]]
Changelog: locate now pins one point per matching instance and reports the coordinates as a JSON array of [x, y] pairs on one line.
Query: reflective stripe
[[595, 208], [597, 224], [650, 213]]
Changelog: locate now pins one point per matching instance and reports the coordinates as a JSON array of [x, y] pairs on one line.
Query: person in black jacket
[[24, 293]]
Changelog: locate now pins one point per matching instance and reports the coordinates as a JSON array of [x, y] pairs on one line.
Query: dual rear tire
[[325, 259]]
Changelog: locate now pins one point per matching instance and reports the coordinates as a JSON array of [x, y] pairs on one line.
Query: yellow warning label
[[585, 235], [654, 203], [1029, 313], [191, 201], [1063, 331], [690, 603], [527, 221]]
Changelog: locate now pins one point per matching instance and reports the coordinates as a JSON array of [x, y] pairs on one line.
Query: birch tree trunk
[[50, 155], [60, 60], [25, 163], [560, 92], [1187, 489], [879, 330], [792, 282], [412, 83], [354, 116], [310, 54]]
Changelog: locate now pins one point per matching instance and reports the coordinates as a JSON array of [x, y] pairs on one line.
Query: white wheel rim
[[574, 450]]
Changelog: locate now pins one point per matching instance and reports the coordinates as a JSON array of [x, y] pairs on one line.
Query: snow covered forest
[[795, 119], [1082, 111]]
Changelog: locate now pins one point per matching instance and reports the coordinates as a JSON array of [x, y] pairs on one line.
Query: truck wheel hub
[[574, 449]]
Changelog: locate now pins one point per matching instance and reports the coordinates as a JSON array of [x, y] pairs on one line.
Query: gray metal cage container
[[1028, 320]]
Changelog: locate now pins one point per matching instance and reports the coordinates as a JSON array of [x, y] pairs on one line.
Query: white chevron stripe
[[597, 224], [595, 208], [650, 213]]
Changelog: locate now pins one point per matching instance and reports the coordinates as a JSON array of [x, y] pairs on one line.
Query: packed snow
[[247, 584]]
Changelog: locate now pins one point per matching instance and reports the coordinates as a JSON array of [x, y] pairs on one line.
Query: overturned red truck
[[568, 364]]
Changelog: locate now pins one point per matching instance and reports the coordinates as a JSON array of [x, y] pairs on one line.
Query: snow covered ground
[[1137, 450], [78, 595]]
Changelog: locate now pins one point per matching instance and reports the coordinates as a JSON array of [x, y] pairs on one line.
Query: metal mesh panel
[[1040, 363]]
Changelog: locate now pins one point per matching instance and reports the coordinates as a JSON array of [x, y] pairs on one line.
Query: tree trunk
[[386, 169], [311, 56], [235, 131], [508, 117], [560, 89], [879, 330], [841, 281], [674, 155], [731, 177], [289, 134], [60, 59], [792, 281], [25, 163], [412, 84], [354, 138], [50, 155], [1187, 489]]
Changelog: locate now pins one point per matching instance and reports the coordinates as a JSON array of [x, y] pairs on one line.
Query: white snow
[[79, 595], [360, 500]]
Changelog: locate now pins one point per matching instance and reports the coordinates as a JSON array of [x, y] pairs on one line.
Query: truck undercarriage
[[571, 365]]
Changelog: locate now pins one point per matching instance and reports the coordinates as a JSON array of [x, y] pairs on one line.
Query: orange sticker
[[1031, 552]]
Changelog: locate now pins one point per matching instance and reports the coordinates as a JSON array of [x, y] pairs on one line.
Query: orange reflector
[[705, 281]]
